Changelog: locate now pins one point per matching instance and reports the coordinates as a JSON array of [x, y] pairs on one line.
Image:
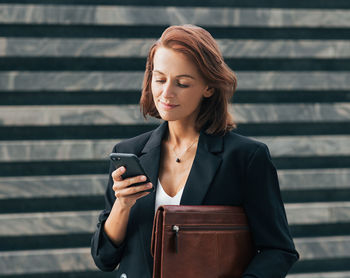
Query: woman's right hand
[[126, 194]]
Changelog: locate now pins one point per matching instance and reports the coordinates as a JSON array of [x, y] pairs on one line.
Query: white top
[[162, 198]]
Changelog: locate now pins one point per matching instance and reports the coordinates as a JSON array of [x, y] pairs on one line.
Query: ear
[[209, 91]]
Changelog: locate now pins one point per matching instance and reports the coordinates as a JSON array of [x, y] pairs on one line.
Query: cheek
[[194, 98], [155, 90]]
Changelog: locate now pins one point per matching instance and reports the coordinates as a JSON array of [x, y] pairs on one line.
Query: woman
[[192, 158]]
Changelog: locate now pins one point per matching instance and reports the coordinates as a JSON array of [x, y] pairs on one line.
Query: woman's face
[[177, 86]]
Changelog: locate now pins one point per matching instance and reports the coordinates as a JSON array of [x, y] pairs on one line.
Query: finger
[[139, 195], [133, 190], [136, 179], [117, 174], [142, 194], [121, 184]]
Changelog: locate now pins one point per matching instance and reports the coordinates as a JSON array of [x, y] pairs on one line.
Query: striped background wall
[[70, 79]]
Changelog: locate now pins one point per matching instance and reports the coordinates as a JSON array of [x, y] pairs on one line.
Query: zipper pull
[[176, 230]]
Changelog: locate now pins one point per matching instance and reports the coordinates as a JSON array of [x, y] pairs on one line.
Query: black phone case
[[132, 164]]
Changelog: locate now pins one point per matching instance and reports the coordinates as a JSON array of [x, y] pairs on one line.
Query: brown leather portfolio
[[201, 241]]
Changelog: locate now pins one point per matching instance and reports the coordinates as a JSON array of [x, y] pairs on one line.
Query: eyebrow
[[181, 75]]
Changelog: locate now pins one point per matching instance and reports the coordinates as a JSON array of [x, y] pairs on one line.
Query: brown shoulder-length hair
[[199, 46]]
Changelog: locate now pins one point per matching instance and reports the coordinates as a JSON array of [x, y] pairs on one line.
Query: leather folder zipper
[[176, 229]]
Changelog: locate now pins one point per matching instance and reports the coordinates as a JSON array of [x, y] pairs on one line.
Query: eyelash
[[178, 84]]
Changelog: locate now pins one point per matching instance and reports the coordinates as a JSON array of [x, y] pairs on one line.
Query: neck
[[181, 134]]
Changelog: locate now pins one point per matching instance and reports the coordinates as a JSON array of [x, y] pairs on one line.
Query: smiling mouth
[[168, 105]]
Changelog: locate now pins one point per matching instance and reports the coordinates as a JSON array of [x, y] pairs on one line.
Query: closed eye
[[160, 81], [182, 85]]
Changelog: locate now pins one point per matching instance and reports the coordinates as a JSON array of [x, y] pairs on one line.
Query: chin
[[167, 117]]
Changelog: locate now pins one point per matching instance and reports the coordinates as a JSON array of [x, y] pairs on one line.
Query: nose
[[167, 90]]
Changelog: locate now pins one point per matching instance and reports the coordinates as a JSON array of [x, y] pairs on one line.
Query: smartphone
[[133, 166]]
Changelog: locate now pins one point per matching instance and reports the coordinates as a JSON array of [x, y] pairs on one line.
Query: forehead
[[172, 62]]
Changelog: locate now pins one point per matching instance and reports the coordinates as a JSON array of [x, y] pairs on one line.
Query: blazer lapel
[[203, 170]]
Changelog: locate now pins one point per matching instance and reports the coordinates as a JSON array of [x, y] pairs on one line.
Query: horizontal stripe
[[55, 223], [79, 167], [61, 132], [260, 113], [314, 179], [307, 145], [94, 185], [52, 186], [74, 81], [77, 259], [321, 265], [47, 223], [287, 96], [307, 195], [315, 230], [55, 150], [317, 213], [53, 204], [72, 115], [41, 261], [130, 114], [77, 131], [154, 31], [312, 162], [126, 15], [323, 247], [133, 97], [39, 242], [137, 64], [339, 274], [76, 274], [99, 149], [32, 47], [73, 240], [292, 128], [343, 4], [81, 193]]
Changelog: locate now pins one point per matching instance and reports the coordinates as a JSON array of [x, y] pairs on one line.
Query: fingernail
[[143, 178], [149, 185]]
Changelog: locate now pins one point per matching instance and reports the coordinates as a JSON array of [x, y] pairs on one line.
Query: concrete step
[[314, 179], [318, 213], [132, 80], [52, 186], [323, 247], [94, 185], [298, 146], [114, 48], [130, 114], [57, 223], [126, 15], [79, 259], [47, 223], [335, 4], [339, 274], [46, 261]]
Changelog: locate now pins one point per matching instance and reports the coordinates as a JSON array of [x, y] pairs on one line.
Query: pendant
[[178, 160]]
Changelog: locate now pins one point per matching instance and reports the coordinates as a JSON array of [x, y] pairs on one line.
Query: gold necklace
[[178, 160]]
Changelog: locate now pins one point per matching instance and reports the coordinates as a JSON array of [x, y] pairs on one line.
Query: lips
[[167, 106]]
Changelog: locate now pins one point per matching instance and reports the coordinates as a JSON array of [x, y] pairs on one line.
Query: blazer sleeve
[[267, 218], [105, 253]]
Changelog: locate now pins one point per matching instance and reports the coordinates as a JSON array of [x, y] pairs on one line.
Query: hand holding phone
[[132, 165]]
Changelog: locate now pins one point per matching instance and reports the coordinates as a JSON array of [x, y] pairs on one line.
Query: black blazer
[[227, 170]]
